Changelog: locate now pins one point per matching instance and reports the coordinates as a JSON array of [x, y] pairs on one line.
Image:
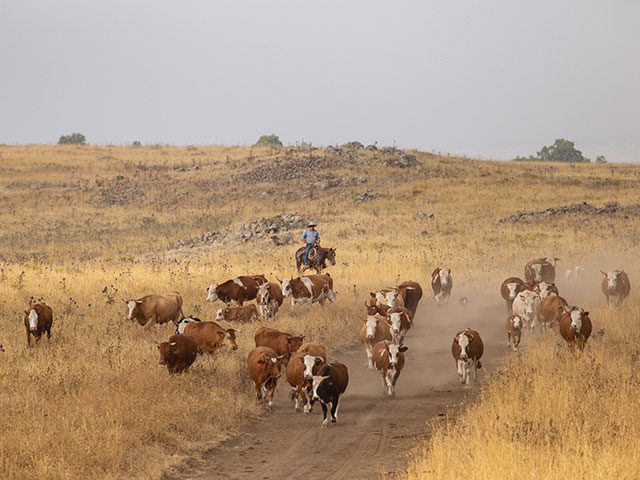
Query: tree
[[601, 159], [267, 140], [74, 139], [562, 150]]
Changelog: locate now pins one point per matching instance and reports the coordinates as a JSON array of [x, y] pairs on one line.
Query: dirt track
[[373, 433]]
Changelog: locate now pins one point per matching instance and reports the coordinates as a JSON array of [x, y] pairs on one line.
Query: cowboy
[[310, 237]]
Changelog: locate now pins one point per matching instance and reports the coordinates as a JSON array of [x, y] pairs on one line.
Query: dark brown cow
[[616, 287], [575, 327], [551, 310], [399, 323], [38, 320], [269, 299], [283, 343], [412, 296], [509, 289], [467, 349], [541, 270], [178, 353], [301, 368], [210, 336], [388, 359], [309, 289], [237, 290], [159, 308], [245, 313], [331, 382], [514, 331], [441, 284], [375, 329], [264, 368]]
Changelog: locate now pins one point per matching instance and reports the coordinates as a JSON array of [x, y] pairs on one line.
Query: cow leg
[[306, 400], [369, 349], [293, 303], [152, 321], [334, 409], [294, 398], [258, 392], [324, 414], [49, 333], [475, 370], [384, 381], [390, 382], [28, 338], [310, 302], [509, 340]]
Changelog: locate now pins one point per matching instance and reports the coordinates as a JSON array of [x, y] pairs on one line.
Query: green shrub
[[267, 140], [74, 139]]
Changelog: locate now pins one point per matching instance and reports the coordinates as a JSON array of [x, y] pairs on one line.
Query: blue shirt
[[310, 237]]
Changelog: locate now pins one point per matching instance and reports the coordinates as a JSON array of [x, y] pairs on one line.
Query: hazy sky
[[484, 78]]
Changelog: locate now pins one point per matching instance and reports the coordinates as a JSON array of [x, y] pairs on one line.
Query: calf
[[157, 308], [38, 320], [309, 289], [551, 309], [467, 349], [284, 344], [209, 336], [441, 284], [184, 322], [527, 306], [541, 269], [237, 290], [300, 371], [269, 299], [178, 353], [327, 386], [244, 314], [514, 331], [575, 327], [509, 289], [263, 364], [388, 359], [399, 322], [616, 287], [375, 329]]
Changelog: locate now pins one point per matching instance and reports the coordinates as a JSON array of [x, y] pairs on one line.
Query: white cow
[[527, 306]]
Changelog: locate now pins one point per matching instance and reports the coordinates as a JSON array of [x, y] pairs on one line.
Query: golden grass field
[[93, 402]]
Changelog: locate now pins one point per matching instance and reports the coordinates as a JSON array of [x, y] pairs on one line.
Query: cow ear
[[289, 339], [26, 312], [319, 360], [158, 345], [261, 362], [301, 338], [585, 313], [455, 339], [403, 348]]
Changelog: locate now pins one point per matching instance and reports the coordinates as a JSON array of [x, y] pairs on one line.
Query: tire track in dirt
[[373, 433]]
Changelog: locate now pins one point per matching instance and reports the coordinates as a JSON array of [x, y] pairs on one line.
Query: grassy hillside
[[84, 226]]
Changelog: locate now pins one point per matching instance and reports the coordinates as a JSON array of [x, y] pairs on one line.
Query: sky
[[488, 79]]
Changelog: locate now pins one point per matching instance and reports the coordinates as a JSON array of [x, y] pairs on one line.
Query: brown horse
[[318, 257]]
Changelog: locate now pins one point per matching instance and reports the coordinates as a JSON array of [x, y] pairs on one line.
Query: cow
[[399, 322], [210, 336], [412, 297], [237, 290], [309, 289], [244, 314], [514, 331], [375, 308], [527, 306], [396, 296], [284, 344], [158, 308], [616, 287], [575, 327], [178, 353], [551, 309], [315, 349], [375, 329], [38, 319], [300, 371], [269, 299], [541, 269], [184, 322], [467, 349], [264, 368], [545, 289], [331, 382], [509, 289], [441, 284], [574, 275], [388, 359]]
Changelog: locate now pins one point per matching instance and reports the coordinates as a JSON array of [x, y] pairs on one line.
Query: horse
[[318, 257]]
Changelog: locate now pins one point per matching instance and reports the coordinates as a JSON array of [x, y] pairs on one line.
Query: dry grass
[[94, 403]]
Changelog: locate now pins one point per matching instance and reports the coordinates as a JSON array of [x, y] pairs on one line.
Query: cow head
[[546, 289], [552, 261], [167, 352], [228, 338], [287, 288], [395, 324], [529, 301], [294, 343], [516, 322], [270, 365], [220, 314], [576, 314], [184, 322], [318, 384], [311, 363], [331, 256], [134, 308], [612, 278], [445, 277], [371, 324], [32, 316], [394, 349], [463, 340], [212, 293], [513, 289], [371, 309]]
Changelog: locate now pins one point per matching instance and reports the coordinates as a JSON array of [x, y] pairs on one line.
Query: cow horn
[[603, 273], [235, 330], [173, 343], [127, 301], [279, 281], [622, 271]]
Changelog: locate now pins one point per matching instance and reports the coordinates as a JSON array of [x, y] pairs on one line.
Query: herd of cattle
[[534, 301]]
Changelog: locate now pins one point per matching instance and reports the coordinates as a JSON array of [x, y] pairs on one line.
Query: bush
[[601, 159], [562, 150], [136, 143], [74, 139], [267, 140]]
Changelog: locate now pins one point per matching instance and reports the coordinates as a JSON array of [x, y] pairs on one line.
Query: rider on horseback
[[310, 238]]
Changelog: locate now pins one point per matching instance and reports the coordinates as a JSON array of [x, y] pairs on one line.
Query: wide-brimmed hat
[[311, 224]]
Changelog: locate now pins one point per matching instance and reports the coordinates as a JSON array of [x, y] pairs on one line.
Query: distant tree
[[74, 138], [601, 159], [136, 143], [267, 140], [562, 150]]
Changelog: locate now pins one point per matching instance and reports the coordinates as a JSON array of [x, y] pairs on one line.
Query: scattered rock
[[404, 160], [366, 196], [423, 215], [355, 145], [577, 208]]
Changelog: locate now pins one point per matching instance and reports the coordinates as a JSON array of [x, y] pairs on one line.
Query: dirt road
[[373, 433]]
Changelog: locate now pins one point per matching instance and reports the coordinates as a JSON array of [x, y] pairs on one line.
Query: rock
[[577, 208], [355, 145], [366, 196], [362, 179], [423, 215]]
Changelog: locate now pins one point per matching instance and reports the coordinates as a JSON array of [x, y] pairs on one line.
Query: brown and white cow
[[616, 287], [545, 289], [283, 343], [399, 323], [301, 368], [237, 290], [38, 319], [551, 310], [412, 296], [245, 313], [514, 331], [509, 289], [388, 359], [527, 306], [441, 284], [209, 336], [269, 299], [575, 327], [375, 308], [331, 382], [396, 296], [315, 349], [541, 270], [179, 353], [467, 349], [182, 324], [264, 368], [309, 289], [157, 308], [375, 329]]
